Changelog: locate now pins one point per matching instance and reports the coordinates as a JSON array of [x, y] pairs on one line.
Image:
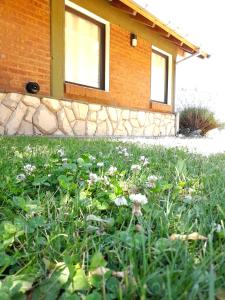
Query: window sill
[[161, 107]]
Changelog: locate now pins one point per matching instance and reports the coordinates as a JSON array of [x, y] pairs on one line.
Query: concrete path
[[206, 146]]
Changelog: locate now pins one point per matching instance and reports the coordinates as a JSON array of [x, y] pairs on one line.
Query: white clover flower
[[29, 169], [61, 152], [144, 160], [138, 198], [21, 177], [135, 168], [93, 178], [64, 160], [120, 201], [105, 179], [100, 164], [49, 175], [151, 181], [28, 148], [112, 170], [92, 157], [217, 227]]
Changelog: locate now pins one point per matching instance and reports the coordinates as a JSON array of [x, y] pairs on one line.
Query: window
[[159, 76], [84, 49]]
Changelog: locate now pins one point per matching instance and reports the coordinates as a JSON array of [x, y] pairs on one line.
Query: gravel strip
[[204, 146]]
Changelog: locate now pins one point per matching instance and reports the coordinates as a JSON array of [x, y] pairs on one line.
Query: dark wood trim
[[102, 46]]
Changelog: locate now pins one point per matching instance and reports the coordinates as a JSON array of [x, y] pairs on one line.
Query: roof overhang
[[142, 16]]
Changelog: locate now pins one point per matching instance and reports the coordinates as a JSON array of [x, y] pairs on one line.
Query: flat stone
[[134, 123], [80, 110], [156, 131], [125, 114], [148, 131], [79, 127], [2, 96], [29, 114], [63, 123], [31, 101], [112, 114], [94, 107], [92, 116], [52, 104], [2, 130], [109, 128], [67, 104], [91, 128], [16, 118], [37, 131], [102, 129], [26, 128], [128, 127], [45, 120], [102, 115], [141, 118], [12, 99], [138, 131], [69, 113], [5, 114], [120, 130], [58, 133]]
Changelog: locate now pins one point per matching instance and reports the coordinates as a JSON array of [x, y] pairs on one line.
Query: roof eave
[[141, 15]]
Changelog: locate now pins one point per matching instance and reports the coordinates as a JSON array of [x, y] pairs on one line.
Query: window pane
[[82, 51], [159, 77]]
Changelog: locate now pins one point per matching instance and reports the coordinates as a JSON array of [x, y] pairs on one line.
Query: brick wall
[[25, 56], [129, 74], [24, 44]]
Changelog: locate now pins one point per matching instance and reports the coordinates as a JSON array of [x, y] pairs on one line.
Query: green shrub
[[200, 119]]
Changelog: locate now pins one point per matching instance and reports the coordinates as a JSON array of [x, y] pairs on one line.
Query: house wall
[[29, 53], [24, 44]]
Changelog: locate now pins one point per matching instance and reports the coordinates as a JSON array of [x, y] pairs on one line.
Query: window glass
[[84, 45], [159, 77]]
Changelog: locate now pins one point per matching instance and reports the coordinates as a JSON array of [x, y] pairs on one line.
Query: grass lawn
[[83, 219]]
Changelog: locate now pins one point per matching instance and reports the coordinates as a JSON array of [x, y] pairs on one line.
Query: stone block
[[69, 113], [45, 120], [16, 118], [91, 128], [102, 129], [128, 127], [31, 101], [29, 114], [94, 107], [11, 100], [5, 114], [26, 128], [79, 127], [2, 96], [2, 130], [52, 104], [63, 123], [102, 115], [80, 110], [112, 113]]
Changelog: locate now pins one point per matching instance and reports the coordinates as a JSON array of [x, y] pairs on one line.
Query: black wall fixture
[[32, 87]]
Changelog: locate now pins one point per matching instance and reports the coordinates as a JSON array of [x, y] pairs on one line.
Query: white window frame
[[170, 65], [107, 37]]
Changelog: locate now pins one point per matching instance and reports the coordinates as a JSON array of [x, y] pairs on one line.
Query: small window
[[84, 50], [159, 77]]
